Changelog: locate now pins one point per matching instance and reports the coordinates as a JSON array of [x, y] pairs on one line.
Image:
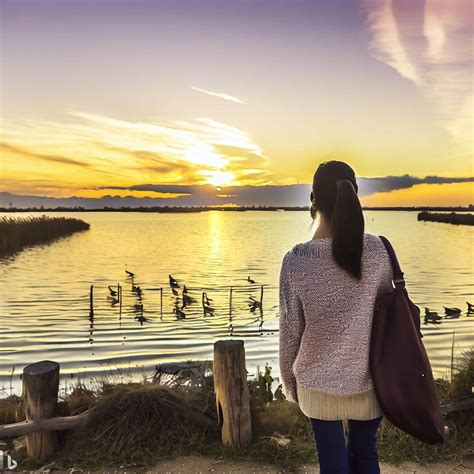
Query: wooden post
[[120, 299], [232, 393], [230, 302], [452, 358], [261, 297], [161, 302], [91, 301], [40, 395]]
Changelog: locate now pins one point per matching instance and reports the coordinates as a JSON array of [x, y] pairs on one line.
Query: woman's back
[[327, 317], [328, 289]]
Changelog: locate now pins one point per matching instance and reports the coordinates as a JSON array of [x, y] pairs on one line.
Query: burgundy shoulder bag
[[399, 365]]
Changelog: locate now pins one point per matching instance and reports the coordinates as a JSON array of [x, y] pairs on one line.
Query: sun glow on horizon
[[220, 178]]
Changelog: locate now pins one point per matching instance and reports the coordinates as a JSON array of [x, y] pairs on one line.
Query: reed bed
[[16, 233]]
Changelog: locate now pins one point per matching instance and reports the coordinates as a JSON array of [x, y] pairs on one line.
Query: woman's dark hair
[[334, 194]]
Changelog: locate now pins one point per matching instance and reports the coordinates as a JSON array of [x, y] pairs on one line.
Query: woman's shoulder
[[323, 247], [309, 249], [372, 240], [375, 248]]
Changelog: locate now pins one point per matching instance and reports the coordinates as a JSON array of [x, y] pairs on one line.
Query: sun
[[220, 178]]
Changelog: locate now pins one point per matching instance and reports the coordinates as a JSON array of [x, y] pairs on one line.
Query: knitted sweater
[[326, 317]]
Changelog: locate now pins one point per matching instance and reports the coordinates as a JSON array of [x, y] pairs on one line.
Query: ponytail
[[347, 223]]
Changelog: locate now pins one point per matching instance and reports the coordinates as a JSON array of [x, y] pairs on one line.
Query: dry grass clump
[[11, 410], [395, 446], [16, 233], [134, 426], [461, 387]]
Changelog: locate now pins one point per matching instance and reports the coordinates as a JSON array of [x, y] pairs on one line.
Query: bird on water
[[173, 283], [452, 312]]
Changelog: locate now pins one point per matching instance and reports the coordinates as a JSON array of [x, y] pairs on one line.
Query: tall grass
[[16, 233]]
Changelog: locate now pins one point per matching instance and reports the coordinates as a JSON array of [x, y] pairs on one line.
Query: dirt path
[[196, 464]]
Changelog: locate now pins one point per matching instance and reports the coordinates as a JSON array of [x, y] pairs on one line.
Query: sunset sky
[[102, 97]]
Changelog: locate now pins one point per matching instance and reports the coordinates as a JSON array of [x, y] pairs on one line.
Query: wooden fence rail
[[40, 395]]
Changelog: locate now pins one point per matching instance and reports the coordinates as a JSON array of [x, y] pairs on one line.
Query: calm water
[[45, 301]]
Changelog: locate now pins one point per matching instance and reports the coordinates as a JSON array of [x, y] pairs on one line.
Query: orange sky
[[235, 93]]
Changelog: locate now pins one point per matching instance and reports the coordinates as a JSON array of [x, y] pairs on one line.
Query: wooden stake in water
[[230, 302], [119, 289], [161, 302], [452, 358], [261, 297], [91, 301]]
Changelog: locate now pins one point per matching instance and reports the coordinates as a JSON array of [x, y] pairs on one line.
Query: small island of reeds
[[448, 218], [16, 233]]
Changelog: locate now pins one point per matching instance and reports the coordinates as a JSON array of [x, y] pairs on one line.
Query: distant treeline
[[16, 233], [175, 209], [451, 218]]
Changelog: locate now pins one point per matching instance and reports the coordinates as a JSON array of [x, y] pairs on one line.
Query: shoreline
[[165, 209]]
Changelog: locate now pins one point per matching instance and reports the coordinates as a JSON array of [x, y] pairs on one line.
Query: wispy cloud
[[195, 151], [15, 150], [220, 95], [383, 184], [429, 42]]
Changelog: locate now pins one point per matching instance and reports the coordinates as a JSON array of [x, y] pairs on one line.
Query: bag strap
[[398, 279]]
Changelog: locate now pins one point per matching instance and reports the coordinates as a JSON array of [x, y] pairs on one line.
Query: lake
[[45, 289]]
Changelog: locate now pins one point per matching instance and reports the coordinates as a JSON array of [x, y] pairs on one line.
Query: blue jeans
[[360, 455]]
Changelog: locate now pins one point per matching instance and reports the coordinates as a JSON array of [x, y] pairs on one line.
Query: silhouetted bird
[[112, 291], [113, 301], [250, 280], [180, 314], [206, 300], [254, 304], [131, 274], [173, 283], [206, 304], [470, 308], [142, 319], [187, 300], [452, 312], [137, 290], [431, 317]]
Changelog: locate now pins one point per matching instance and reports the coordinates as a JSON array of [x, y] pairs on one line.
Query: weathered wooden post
[[40, 395], [261, 297], [230, 301], [91, 301], [452, 358], [232, 393], [161, 302]]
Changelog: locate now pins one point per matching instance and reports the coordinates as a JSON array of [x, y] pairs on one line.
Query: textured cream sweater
[[325, 323]]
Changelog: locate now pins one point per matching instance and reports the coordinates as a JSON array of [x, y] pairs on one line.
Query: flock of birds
[[432, 317], [183, 298]]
